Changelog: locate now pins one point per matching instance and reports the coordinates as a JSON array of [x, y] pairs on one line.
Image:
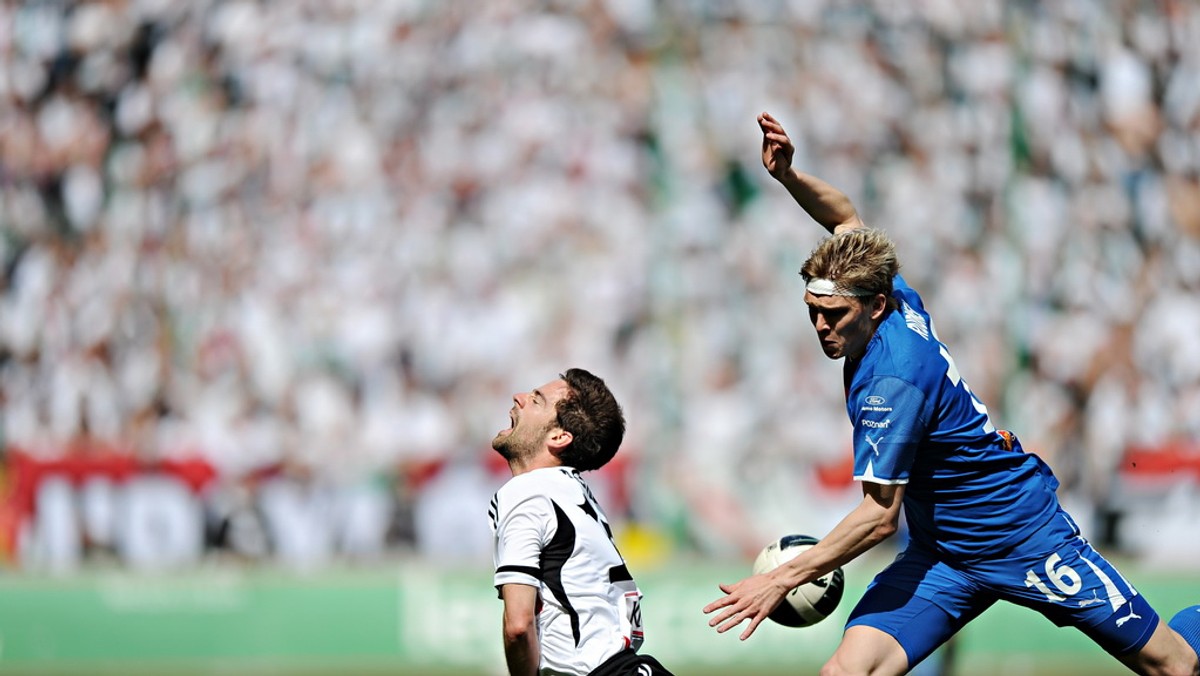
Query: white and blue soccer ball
[[811, 602]]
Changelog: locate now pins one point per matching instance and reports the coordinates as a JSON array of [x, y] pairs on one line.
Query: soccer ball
[[809, 603]]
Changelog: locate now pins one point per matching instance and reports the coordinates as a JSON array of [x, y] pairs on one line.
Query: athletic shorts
[[629, 663], [922, 600]]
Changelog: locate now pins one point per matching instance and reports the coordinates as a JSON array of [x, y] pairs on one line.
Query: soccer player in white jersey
[[571, 608], [985, 523]]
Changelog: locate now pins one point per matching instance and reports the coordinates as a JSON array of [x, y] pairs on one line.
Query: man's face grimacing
[[844, 324], [533, 416]]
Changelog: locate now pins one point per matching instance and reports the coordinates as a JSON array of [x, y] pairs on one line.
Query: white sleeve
[[521, 532]]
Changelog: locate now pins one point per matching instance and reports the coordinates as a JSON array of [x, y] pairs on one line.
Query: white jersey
[[551, 534]]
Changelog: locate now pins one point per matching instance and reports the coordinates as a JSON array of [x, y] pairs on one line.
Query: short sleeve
[[521, 532], [889, 423]]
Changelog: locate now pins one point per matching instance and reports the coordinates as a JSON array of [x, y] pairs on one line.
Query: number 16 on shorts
[[1083, 587]]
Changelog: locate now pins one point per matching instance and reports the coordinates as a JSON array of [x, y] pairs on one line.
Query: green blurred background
[[418, 619]]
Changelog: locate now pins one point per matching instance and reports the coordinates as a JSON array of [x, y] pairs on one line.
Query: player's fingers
[[777, 149], [728, 618], [779, 137], [754, 622], [770, 123], [730, 622], [719, 619], [719, 603]]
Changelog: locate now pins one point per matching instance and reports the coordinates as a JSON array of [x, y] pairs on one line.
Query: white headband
[[819, 286]]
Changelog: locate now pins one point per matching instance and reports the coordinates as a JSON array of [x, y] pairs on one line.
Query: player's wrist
[[786, 576]]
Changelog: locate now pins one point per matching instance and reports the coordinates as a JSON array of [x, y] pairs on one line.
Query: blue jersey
[[968, 494]]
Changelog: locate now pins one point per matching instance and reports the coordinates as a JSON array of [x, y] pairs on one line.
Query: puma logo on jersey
[[874, 443], [1092, 601], [1131, 616]]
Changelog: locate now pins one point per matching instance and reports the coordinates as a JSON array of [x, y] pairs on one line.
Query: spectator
[[220, 217]]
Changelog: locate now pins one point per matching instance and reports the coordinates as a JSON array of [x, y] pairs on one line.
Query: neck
[[519, 466]]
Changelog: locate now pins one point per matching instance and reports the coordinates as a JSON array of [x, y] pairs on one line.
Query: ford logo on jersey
[[875, 400]]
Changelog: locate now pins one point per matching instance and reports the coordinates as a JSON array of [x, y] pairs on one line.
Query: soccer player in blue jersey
[[984, 519]]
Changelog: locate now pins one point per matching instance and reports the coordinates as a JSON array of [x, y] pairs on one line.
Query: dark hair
[[592, 415]]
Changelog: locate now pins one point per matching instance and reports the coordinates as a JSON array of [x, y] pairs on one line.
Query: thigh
[[919, 602], [1073, 585]]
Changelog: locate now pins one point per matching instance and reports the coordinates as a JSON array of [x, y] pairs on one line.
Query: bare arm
[[874, 520], [871, 522], [521, 648], [826, 204]]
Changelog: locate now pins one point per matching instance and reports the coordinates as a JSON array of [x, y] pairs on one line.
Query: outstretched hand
[[751, 599], [777, 148]]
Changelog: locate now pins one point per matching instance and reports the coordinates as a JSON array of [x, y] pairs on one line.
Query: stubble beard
[[511, 447], [504, 446]]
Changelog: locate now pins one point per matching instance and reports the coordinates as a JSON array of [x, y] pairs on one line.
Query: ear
[[557, 440], [878, 305]]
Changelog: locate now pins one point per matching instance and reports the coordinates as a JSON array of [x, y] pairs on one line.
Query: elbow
[[517, 628], [885, 529]]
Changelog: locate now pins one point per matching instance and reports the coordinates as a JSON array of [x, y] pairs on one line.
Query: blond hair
[[862, 258]]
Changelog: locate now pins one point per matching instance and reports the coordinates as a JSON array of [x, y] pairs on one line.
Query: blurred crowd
[[317, 244]]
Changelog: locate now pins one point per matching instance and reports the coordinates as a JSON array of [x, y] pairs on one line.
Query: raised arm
[[826, 204]]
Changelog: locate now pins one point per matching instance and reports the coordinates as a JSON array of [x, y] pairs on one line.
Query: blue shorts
[[922, 600]]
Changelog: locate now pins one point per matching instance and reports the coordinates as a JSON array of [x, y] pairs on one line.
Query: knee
[[1171, 665], [1189, 665], [1167, 654], [835, 667], [866, 651], [1182, 668]]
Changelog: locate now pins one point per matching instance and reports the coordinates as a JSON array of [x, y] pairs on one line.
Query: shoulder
[[908, 323], [540, 483], [905, 294], [904, 347], [904, 333], [881, 393]]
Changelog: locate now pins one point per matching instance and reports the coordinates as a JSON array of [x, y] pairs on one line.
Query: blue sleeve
[[889, 417], [902, 291]]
